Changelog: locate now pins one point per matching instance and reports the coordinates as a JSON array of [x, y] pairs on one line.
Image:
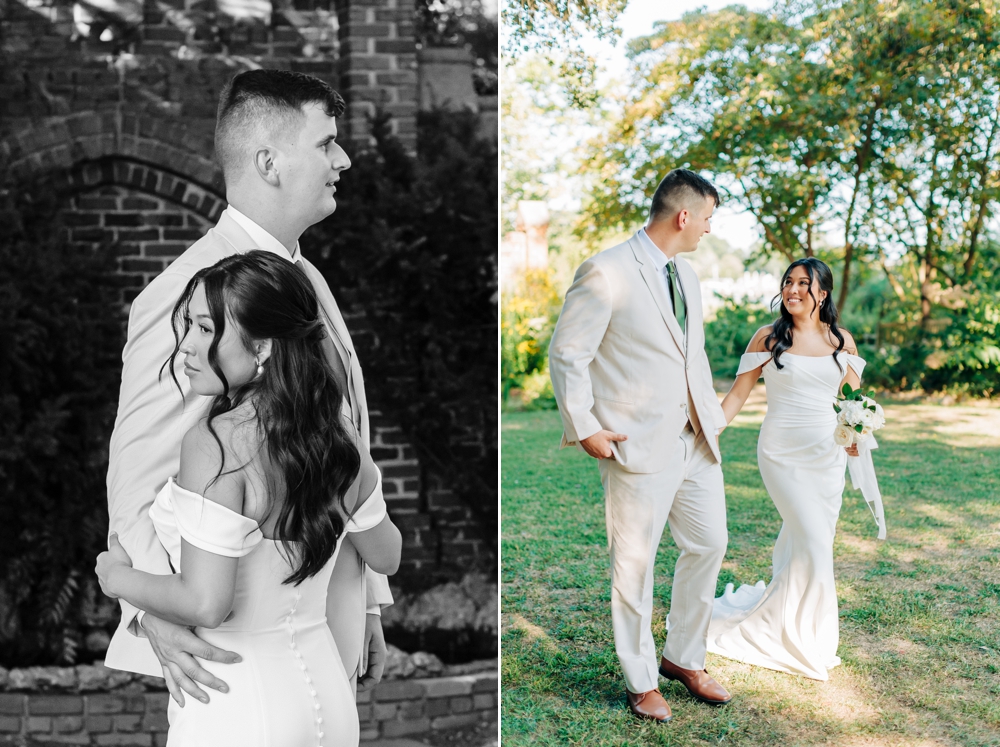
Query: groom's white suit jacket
[[620, 361], [153, 417]]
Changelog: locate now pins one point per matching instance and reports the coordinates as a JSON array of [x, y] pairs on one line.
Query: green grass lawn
[[919, 613]]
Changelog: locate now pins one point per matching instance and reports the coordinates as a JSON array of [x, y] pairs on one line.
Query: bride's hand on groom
[[176, 646], [373, 658], [599, 445], [108, 561]]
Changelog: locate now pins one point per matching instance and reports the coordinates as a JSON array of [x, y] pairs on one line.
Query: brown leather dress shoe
[[649, 705], [698, 683]]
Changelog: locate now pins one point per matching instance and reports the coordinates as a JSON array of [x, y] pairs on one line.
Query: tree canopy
[[875, 121]]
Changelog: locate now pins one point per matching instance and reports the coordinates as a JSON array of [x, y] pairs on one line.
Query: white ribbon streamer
[[863, 478]]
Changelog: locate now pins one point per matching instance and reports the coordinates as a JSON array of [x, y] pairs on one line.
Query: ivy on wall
[[414, 245], [61, 337]]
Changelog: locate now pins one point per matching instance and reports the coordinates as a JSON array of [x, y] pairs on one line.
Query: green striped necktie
[[676, 297]]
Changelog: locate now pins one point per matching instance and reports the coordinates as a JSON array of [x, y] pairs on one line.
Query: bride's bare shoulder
[[849, 345], [757, 343]]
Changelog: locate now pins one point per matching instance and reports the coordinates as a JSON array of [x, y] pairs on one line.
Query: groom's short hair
[[675, 191], [256, 104]]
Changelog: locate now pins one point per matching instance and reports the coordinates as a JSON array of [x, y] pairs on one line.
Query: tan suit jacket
[[619, 360], [153, 417]]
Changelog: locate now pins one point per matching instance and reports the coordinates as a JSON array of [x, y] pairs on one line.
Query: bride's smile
[[801, 294]]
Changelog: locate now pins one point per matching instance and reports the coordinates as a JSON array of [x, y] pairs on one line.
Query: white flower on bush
[[843, 435]]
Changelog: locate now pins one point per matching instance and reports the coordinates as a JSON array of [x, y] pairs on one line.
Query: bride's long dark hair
[[296, 400], [780, 338]]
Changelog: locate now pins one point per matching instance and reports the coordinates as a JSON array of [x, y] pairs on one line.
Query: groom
[[634, 388], [276, 142]]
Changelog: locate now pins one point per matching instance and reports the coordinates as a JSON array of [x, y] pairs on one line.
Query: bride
[[269, 482], [791, 624]]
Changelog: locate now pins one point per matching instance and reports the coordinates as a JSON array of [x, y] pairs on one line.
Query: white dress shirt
[[660, 262], [264, 240]]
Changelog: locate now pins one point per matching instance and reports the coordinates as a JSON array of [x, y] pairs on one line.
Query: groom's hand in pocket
[[176, 647], [599, 445]]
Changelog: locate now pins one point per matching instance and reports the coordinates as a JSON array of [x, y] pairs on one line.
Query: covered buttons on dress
[[317, 708]]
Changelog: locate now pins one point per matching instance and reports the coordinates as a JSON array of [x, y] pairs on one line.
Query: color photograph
[[750, 368]]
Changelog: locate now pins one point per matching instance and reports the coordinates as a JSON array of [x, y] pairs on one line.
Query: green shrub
[[528, 318], [967, 355], [61, 335], [729, 332]]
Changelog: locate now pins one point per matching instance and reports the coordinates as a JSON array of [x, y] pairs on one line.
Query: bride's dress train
[[791, 624]]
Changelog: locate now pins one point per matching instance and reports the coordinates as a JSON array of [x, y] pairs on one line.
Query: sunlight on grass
[[920, 613]]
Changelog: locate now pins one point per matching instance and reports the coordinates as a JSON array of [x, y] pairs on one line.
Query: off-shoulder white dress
[[791, 624], [291, 688]]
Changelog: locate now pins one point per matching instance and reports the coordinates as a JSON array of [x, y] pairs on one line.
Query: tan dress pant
[[689, 495]]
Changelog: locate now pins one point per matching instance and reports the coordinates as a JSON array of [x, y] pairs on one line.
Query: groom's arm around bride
[[634, 389]]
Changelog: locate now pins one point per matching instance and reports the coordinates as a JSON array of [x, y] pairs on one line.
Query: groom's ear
[[266, 165], [262, 349]]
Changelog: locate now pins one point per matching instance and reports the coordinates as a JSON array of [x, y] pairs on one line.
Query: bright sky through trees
[[730, 223], [733, 224]]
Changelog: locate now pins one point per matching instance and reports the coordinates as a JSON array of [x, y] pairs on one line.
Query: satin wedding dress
[[291, 688], [791, 624]]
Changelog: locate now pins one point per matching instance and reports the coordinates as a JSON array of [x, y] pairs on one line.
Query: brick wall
[[149, 232], [136, 718], [400, 707], [379, 65]]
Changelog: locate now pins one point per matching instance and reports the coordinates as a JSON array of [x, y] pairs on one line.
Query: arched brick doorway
[[137, 182], [149, 215]]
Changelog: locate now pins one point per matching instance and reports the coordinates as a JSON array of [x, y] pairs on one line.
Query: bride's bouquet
[[858, 416]]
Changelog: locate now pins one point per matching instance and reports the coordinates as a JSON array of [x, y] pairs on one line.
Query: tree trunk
[[862, 163]]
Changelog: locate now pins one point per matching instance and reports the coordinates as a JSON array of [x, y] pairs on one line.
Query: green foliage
[[528, 317], [456, 23], [878, 117], [728, 334], [556, 28], [61, 335], [413, 246], [540, 139], [956, 351], [966, 352]]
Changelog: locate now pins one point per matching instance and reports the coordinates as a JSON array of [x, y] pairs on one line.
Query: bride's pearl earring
[[260, 366]]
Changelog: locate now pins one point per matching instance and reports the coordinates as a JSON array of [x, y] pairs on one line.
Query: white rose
[[879, 416], [852, 412], [867, 418], [863, 436], [843, 436], [841, 417]]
